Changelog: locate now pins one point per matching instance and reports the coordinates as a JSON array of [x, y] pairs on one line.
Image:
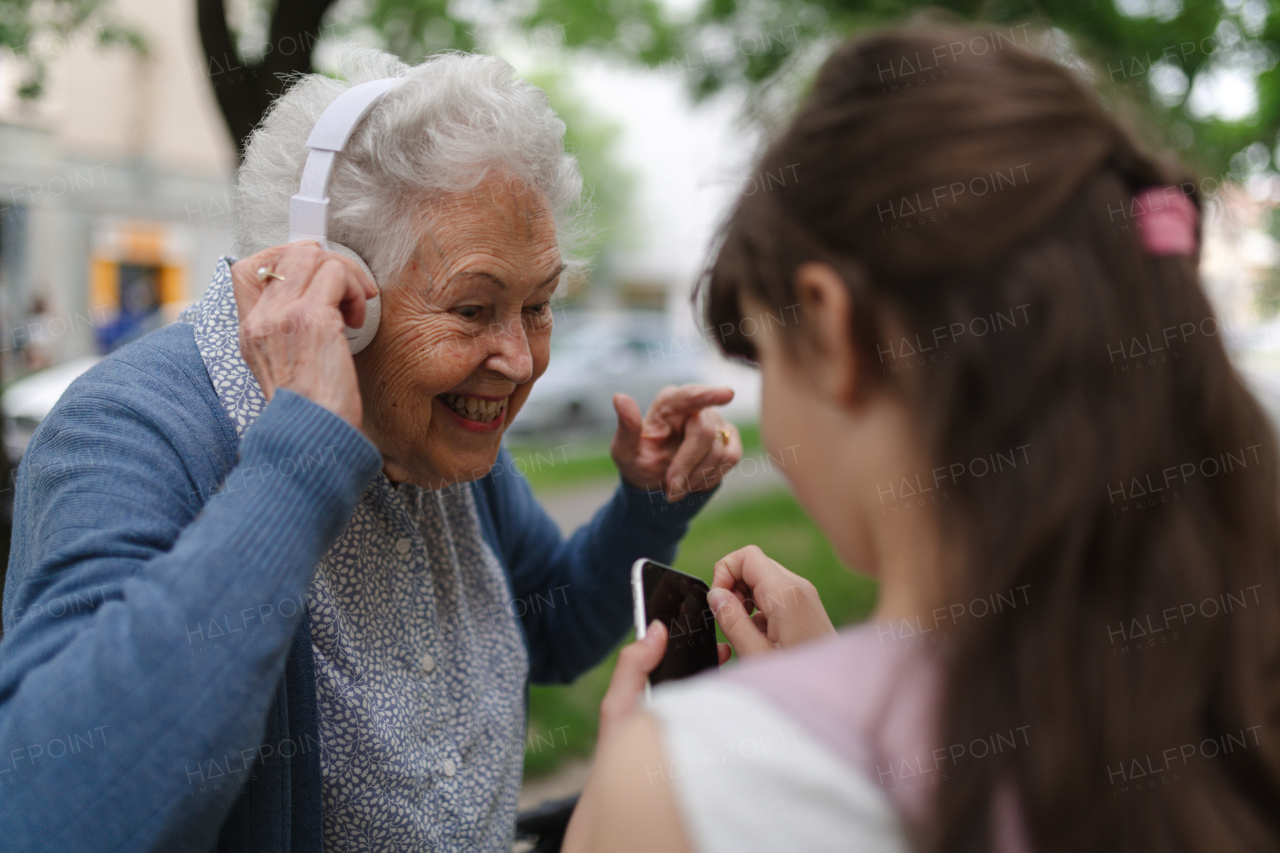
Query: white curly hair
[[456, 117]]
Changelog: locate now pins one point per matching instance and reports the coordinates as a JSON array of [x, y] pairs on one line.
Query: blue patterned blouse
[[420, 666]]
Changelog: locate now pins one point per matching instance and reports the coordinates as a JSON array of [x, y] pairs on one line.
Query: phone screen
[[680, 602]]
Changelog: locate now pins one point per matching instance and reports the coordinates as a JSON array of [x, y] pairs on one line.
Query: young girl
[[1010, 404]]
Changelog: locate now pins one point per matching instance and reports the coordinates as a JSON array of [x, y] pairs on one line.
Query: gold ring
[[265, 274], [724, 435]]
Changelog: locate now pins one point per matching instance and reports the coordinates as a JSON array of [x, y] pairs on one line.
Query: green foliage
[[757, 43], [754, 43], [780, 526], [37, 30], [567, 715], [588, 463], [751, 441], [608, 186], [768, 48], [415, 29], [550, 468], [1268, 294]]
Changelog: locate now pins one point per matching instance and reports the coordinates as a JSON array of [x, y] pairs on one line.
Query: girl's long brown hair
[[1144, 524]]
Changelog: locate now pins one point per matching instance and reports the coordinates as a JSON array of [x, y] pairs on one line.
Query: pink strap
[[1166, 221]]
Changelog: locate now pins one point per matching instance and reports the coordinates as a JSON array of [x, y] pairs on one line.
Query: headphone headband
[[309, 207]]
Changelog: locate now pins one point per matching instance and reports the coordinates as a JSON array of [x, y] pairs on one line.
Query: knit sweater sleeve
[[149, 621], [573, 594]]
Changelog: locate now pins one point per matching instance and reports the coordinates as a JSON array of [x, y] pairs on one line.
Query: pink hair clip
[[1166, 221]]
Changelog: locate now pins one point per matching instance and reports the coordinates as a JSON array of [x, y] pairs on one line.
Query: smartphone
[[680, 602]]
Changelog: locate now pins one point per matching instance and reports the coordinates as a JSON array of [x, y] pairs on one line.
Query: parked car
[[594, 356], [29, 399]]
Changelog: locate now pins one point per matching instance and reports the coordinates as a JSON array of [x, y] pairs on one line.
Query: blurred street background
[[121, 122]]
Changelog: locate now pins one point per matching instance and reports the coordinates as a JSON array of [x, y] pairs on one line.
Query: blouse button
[[403, 544], [428, 662], [449, 767]]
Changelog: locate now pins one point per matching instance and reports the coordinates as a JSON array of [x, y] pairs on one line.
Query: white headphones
[[309, 207]]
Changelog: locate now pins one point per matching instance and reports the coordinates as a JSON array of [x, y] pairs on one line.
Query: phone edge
[[637, 610]]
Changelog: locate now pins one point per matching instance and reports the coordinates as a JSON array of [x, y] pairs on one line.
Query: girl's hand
[[762, 607], [631, 673], [635, 662]]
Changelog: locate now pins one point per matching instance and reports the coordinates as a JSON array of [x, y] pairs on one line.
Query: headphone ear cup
[[360, 338]]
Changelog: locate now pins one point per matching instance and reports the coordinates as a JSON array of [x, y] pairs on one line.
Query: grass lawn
[[562, 720], [585, 461], [565, 465]]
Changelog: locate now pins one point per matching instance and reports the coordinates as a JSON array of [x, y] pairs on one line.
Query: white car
[[28, 400], [594, 356]]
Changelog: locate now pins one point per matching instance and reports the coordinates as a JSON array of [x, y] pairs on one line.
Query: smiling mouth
[[475, 409]]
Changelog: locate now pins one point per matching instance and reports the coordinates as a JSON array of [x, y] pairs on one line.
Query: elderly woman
[[267, 596]]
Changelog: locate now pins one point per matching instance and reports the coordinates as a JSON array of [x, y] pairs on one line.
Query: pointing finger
[[685, 400], [626, 441]]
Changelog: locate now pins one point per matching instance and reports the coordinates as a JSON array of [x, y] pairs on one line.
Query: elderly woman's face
[[465, 331]]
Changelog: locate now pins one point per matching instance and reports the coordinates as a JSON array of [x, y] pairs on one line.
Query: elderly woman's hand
[[291, 323], [681, 446]]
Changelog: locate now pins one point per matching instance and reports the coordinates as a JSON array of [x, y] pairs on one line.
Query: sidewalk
[[574, 506]]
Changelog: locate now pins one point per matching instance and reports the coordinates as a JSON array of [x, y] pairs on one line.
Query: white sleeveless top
[[827, 747], [745, 777]]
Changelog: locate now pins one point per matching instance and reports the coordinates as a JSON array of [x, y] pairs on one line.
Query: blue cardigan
[[141, 524]]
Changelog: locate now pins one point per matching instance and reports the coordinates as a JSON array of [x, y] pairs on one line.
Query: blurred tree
[[609, 185], [1167, 61], [1267, 297], [415, 29], [1171, 59], [30, 29], [246, 77]]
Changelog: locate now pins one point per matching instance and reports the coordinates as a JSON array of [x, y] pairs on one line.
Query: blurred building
[[114, 187], [1239, 253]]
